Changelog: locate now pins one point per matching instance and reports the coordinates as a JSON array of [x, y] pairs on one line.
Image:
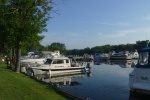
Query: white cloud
[[123, 24], [114, 24], [141, 33], [104, 23]]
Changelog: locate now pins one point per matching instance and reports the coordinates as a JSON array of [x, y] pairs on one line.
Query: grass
[[14, 86]]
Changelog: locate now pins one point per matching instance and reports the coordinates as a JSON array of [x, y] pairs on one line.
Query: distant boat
[[98, 57], [134, 55], [120, 56], [87, 57], [139, 78]]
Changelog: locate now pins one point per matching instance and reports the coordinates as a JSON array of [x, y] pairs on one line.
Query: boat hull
[[139, 80], [37, 71]]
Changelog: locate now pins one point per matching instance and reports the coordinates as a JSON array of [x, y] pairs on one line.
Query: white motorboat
[[33, 60], [120, 56], [30, 60], [57, 65], [98, 57], [87, 57], [139, 78], [134, 55]]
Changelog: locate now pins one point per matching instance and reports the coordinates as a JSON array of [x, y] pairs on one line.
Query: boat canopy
[[146, 49], [144, 58]]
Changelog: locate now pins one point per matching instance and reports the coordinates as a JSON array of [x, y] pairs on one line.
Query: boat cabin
[[58, 62], [144, 60]]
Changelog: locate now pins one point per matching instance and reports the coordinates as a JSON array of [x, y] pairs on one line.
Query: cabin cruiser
[[120, 56], [98, 57], [139, 78], [57, 65], [32, 58], [87, 57], [134, 55]]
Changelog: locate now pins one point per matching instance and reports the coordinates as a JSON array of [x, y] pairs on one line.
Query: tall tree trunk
[[18, 56], [1, 56], [10, 53]]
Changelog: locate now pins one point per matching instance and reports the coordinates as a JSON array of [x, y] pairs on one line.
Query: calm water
[[107, 81]]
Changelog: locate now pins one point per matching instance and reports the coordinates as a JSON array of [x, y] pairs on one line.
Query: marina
[[108, 79], [105, 81], [107, 76], [98, 50]]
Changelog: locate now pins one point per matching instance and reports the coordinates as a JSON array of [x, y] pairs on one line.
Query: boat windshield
[[143, 58], [48, 61]]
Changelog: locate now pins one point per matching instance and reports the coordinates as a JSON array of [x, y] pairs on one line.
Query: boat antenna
[[147, 41]]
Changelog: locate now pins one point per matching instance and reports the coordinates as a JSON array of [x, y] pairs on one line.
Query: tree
[[57, 46], [141, 44], [6, 41], [28, 19]]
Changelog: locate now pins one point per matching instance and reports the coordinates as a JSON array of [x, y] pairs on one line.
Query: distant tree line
[[97, 49], [110, 48]]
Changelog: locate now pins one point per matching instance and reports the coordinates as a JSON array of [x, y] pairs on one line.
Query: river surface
[[107, 80]]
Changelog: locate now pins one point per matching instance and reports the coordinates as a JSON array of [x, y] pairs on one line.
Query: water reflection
[[139, 96], [63, 79], [121, 63], [109, 81]]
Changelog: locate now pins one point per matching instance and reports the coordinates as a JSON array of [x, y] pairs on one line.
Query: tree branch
[[28, 10], [11, 12]]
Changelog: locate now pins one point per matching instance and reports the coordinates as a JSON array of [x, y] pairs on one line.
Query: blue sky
[[90, 23]]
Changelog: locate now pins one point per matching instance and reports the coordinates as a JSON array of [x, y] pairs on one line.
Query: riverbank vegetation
[[110, 48], [14, 86]]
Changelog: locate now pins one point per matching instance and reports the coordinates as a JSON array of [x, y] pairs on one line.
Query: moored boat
[[98, 57], [134, 55], [32, 58], [139, 78], [56, 65], [120, 56]]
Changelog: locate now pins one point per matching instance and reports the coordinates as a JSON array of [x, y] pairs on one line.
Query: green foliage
[[110, 48], [22, 22], [57, 46]]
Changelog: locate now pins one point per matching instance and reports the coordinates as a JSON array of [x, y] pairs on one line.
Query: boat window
[[143, 58], [67, 61], [48, 61], [58, 61]]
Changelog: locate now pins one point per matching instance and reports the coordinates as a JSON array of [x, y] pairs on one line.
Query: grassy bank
[[14, 86]]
